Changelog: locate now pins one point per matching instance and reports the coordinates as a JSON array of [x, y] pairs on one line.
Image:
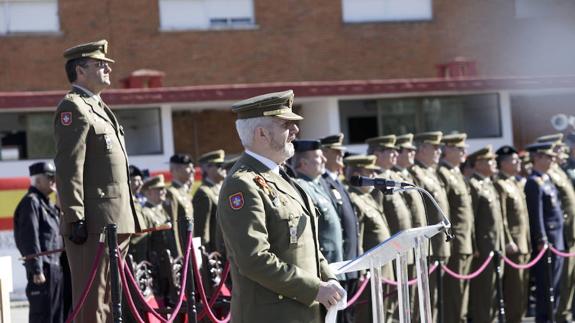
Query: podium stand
[[397, 247]]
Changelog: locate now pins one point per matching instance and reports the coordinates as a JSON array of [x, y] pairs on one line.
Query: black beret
[[42, 168], [506, 150], [181, 159], [306, 145]]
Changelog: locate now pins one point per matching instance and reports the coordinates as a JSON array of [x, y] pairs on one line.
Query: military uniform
[[394, 206], [36, 229], [461, 217], [412, 198], [205, 204], [489, 236], [546, 225], [179, 205], [373, 230], [93, 182], [350, 226], [269, 227], [516, 220]]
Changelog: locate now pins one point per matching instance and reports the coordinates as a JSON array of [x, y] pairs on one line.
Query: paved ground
[[20, 313]]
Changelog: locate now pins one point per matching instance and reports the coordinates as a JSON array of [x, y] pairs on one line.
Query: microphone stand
[[410, 187]]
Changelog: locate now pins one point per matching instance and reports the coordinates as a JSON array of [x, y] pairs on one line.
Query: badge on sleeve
[[66, 118], [236, 201]]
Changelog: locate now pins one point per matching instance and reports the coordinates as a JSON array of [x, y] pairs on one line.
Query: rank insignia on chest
[[293, 234], [66, 118], [236, 201], [108, 141]]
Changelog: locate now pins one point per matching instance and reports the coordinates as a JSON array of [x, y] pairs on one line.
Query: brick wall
[[299, 40], [196, 133]]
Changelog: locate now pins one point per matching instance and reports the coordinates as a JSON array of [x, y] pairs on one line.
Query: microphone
[[378, 182]]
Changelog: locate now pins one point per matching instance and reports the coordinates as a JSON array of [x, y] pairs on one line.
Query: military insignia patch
[[236, 201], [66, 118]]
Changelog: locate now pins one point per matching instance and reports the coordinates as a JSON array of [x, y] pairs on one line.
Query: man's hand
[[329, 293], [79, 233], [39, 279]]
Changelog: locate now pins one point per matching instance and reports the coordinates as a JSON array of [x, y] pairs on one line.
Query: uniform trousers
[[516, 289], [46, 303], [541, 287], [567, 289], [457, 290], [483, 290], [81, 259]]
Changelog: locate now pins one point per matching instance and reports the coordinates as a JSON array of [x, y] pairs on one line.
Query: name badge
[[293, 234], [108, 141]]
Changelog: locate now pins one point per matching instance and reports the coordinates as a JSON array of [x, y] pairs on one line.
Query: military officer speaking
[[92, 178], [269, 223]]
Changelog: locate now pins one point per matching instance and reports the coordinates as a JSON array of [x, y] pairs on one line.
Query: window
[[29, 135], [20, 16], [205, 14], [477, 115], [386, 10]]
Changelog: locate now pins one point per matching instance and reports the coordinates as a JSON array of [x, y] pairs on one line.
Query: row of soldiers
[[495, 201], [484, 194]]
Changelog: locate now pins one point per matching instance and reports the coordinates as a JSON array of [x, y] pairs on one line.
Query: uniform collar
[[275, 168], [331, 174], [85, 90], [33, 189]]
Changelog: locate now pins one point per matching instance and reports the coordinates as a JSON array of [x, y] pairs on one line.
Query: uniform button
[[280, 297]]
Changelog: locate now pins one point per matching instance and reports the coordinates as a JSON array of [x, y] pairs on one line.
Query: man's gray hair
[[35, 178], [247, 127]]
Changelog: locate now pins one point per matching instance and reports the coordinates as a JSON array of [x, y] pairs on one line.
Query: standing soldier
[[36, 222], [489, 232], [394, 206], [178, 197], [92, 178], [372, 223], [514, 207], [567, 196], [425, 176], [269, 223], [546, 225], [205, 201], [405, 160], [461, 216], [333, 150], [309, 164], [569, 165]]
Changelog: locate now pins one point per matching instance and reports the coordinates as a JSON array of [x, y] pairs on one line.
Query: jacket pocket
[[103, 192]]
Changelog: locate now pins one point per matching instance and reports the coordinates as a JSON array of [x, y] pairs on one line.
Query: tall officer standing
[[92, 178], [36, 229], [461, 216], [514, 208], [546, 225], [269, 223]]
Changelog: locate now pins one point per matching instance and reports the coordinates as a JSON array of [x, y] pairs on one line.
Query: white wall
[[321, 118]]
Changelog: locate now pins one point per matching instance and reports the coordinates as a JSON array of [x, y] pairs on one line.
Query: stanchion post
[[499, 285], [191, 285], [114, 273], [439, 278], [550, 289]]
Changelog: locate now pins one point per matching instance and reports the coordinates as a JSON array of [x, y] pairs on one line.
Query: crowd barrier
[[127, 280]]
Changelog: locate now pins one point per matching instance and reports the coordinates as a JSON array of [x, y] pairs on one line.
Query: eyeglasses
[[98, 64]]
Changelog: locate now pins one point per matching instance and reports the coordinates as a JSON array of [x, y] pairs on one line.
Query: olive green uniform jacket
[[426, 178], [394, 206], [270, 232], [92, 163], [205, 205], [179, 208], [412, 199]]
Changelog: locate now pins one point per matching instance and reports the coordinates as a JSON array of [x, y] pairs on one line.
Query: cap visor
[[289, 116]]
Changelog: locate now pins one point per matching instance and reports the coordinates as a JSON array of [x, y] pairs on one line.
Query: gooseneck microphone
[[377, 182]]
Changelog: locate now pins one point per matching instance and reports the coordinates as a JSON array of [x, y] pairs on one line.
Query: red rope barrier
[[92, 276], [472, 275], [202, 292], [130, 278], [360, 290], [561, 253], [413, 281], [529, 264], [217, 291], [126, 288]]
